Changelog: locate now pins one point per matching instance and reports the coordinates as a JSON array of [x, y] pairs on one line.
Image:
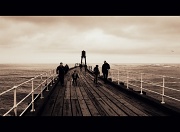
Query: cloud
[[98, 35]]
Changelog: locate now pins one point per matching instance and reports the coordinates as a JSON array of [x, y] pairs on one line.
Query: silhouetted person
[[105, 68], [80, 65], [96, 74], [66, 68], [61, 71], [85, 68], [75, 76]]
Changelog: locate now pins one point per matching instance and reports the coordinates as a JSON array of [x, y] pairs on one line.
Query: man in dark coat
[[85, 68], [105, 68], [61, 71], [66, 68], [96, 74], [80, 67]]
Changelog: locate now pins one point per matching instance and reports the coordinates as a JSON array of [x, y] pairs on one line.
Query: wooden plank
[[57, 111], [92, 108], [47, 111], [95, 101], [87, 84], [134, 109], [67, 111], [130, 106], [110, 103], [78, 93], [84, 94], [106, 90], [120, 104], [78, 108], [67, 91], [114, 107], [58, 108], [101, 94], [139, 112], [109, 110], [73, 92], [67, 108], [76, 111], [145, 108], [84, 108]]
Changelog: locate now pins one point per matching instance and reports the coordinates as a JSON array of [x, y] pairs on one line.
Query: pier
[[47, 97], [89, 99]]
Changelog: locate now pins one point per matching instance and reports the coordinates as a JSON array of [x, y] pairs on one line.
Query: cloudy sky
[[116, 39]]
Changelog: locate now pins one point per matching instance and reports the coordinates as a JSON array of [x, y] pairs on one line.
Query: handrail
[[7, 91], [145, 73], [50, 77], [116, 73]]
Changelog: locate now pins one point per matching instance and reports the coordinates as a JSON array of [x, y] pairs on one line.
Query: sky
[[116, 39]]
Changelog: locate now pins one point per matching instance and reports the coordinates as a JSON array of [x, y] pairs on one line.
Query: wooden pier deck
[[87, 99]]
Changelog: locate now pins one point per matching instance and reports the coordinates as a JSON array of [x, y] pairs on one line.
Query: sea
[[15, 74]]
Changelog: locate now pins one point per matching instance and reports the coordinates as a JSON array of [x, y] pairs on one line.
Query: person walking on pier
[[80, 67], [96, 74], [66, 68], [75, 76], [85, 68], [61, 71], [105, 68]]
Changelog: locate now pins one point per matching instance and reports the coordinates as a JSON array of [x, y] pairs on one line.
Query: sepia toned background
[[116, 39]]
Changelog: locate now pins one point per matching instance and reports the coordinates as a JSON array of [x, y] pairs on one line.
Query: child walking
[[75, 76]]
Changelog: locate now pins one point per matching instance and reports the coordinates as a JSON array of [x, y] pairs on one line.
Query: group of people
[[105, 68], [81, 66], [62, 70]]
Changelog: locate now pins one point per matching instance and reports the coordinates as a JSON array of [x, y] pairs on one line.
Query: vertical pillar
[[15, 101], [85, 60], [32, 102], [127, 80], [118, 76], [162, 102], [47, 82], [141, 84], [41, 88]]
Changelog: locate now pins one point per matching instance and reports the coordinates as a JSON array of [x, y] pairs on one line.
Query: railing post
[[15, 101], [47, 82], [50, 72], [118, 76], [32, 102], [112, 77], [141, 84], [127, 80], [162, 102], [53, 75], [41, 88]]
